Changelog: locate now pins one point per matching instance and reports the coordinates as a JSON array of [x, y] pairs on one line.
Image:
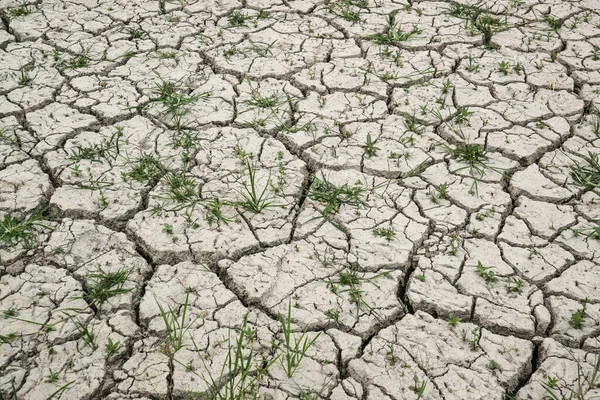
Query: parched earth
[[410, 187]]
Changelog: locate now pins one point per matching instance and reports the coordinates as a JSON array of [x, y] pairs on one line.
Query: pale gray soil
[[139, 127]]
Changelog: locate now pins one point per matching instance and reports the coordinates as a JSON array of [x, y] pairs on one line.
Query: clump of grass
[[480, 19], [592, 232], [81, 60], [388, 233], [577, 390], [394, 33], [107, 148], [21, 11], [181, 188], [175, 100], [13, 231], [214, 213], [104, 285], [578, 317], [370, 148], [292, 354], [476, 159], [145, 168], [236, 18], [176, 327], [333, 196], [254, 199], [587, 176], [486, 273]]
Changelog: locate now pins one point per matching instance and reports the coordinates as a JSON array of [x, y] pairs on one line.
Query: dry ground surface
[[300, 199]]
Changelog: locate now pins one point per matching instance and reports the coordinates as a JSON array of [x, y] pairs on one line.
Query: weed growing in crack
[[87, 335], [104, 285], [334, 197], [370, 148], [214, 212], [418, 387], [241, 370], [111, 348], [393, 32], [578, 317], [145, 168], [52, 376], [293, 353], [13, 232], [476, 160], [81, 60], [237, 18], [182, 189], [351, 283], [514, 285], [175, 327], [387, 233], [587, 176], [413, 126], [486, 273], [577, 390], [472, 66], [107, 148], [175, 100], [479, 19], [136, 33], [254, 199], [453, 320], [592, 232], [22, 11]]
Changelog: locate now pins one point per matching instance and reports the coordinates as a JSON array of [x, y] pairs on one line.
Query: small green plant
[[486, 273], [87, 335], [577, 390], [514, 285], [472, 66], [175, 326], [175, 100], [493, 365], [393, 32], [578, 317], [503, 67], [136, 33], [214, 212], [418, 387], [413, 126], [21, 11], [182, 189], [145, 168], [587, 176], [370, 148], [24, 78], [388, 233], [391, 356], [81, 60], [462, 115], [111, 348], [476, 160], [241, 370], [292, 353], [421, 277], [237, 18], [13, 232], [254, 199], [592, 232], [52, 376], [102, 286], [453, 320], [333, 196]]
